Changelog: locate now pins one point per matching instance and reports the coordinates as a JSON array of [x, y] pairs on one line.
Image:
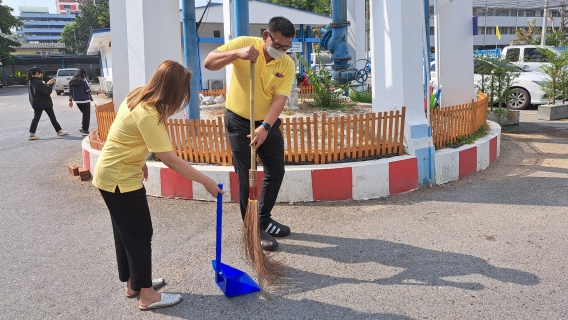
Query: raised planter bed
[[552, 112]]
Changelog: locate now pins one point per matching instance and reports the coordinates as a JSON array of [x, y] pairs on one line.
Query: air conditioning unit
[[218, 84]]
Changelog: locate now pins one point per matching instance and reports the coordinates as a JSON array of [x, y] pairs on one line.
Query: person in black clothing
[[40, 99], [80, 92]]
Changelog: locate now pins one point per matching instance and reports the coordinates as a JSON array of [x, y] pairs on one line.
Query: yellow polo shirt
[[131, 137], [274, 77]]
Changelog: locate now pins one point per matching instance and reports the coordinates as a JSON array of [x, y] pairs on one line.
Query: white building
[[508, 15], [68, 6]]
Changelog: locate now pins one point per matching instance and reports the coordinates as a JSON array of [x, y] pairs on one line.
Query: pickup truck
[[62, 80], [528, 57]]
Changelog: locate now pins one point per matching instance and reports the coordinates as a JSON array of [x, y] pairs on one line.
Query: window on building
[[217, 34], [530, 13], [480, 30], [554, 13], [490, 30], [432, 31]]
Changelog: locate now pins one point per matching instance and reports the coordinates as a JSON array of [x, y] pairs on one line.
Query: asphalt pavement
[[490, 246]]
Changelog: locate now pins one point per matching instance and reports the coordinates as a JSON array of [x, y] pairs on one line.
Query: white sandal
[[156, 284], [168, 300]]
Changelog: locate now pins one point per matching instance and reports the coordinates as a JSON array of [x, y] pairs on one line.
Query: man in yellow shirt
[[273, 74]]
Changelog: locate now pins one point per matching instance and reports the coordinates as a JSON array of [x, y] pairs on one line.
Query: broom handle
[[219, 228], [252, 152]]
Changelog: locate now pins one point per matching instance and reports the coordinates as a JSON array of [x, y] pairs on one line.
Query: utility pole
[[544, 16], [485, 29]]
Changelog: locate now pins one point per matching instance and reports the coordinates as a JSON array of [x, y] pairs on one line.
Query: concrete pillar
[[228, 37], [397, 76], [454, 57], [140, 32], [119, 52]]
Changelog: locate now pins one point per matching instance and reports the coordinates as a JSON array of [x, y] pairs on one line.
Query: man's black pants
[[271, 154], [132, 228]]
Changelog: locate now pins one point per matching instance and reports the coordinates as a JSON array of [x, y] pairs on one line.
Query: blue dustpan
[[233, 282]]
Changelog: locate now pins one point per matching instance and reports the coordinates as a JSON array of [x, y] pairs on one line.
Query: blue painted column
[[190, 55], [241, 18]]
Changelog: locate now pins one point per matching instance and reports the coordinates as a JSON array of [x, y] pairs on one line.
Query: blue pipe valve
[[335, 41]]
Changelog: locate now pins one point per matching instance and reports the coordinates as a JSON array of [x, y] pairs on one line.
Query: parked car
[[528, 57], [1, 84], [526, 88], [62, 80]]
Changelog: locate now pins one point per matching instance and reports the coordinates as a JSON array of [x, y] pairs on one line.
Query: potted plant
[[554, 86], [497, 76]]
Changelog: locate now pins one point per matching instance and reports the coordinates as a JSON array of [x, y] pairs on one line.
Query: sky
[[51, 4]]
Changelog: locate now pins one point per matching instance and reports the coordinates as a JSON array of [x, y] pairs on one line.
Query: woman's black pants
[[50, 114], [86, 110], [271, 154], [132, 228]]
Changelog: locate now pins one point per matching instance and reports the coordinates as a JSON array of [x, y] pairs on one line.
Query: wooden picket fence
[[306, 92], [318, 139], [449, 123], [105, 116], [214, 93]]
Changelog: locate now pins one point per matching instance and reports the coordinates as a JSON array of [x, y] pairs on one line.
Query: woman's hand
[[70, 104], [212, 187], [144, 172]]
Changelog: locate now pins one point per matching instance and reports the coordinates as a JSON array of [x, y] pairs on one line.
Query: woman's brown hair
[[167, 91]]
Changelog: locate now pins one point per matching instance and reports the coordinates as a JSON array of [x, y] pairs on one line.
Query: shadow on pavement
[[423, 267]]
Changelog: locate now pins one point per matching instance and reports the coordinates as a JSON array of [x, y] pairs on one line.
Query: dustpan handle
[[219, 228]]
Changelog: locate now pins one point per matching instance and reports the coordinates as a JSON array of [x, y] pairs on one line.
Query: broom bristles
[[269, 270]]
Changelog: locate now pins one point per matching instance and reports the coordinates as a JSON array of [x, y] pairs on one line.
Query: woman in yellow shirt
[[138, 129]]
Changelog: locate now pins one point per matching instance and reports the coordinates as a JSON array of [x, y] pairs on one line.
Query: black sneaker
[[267, 242], [83, 132], [275, 228]]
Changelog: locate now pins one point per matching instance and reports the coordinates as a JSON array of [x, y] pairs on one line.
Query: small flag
[[497, 32]]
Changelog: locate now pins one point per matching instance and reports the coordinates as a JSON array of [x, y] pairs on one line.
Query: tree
[[76, 35], [7, 23]]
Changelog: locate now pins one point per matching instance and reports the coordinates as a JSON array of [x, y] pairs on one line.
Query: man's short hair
[[282, 25]]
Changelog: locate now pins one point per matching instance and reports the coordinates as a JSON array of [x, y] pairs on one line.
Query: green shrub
[[327, 93], [366, 97]]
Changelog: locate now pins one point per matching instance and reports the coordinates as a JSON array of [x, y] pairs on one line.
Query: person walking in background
[[274, 73], [138, 129], [40, 99], [80, 92]]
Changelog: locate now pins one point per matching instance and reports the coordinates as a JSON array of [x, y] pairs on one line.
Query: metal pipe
[[338, 10], [544, 16], [241, 17], [190, 56]]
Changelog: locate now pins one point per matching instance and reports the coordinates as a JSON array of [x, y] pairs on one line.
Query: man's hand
[[70, 104], [260, 134], [248, 53]]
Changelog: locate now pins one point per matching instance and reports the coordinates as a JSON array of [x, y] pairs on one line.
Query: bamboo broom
[[268, 269]]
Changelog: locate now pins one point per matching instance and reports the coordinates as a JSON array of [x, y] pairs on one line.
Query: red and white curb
[[360, 180]]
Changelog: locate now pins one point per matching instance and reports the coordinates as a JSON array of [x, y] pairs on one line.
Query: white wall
[[106, 60], [356, 15]]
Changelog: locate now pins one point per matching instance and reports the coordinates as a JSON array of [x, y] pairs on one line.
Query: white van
[[324, 57], [62, 80], [528, 57]]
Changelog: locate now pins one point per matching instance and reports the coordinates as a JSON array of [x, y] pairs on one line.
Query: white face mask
[[274, 53]]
